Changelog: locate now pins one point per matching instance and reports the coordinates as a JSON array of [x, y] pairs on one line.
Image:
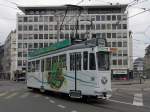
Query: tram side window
[[85, 60], [62, 60], [78, 61], [48, 64], [29, 66], [33, 66], [92, 65], [72, 62], [37, 65]]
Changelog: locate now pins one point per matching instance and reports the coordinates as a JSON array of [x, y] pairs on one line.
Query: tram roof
[[61, 47]]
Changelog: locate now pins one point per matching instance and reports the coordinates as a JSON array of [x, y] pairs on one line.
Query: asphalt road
[[24, 100]]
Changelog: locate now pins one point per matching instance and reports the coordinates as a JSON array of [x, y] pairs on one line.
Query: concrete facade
[[10, 55], [41, 26]]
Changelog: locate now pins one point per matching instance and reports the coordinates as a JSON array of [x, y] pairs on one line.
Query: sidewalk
[[131, 85]]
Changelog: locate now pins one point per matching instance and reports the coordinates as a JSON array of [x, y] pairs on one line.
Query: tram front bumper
[[103, 94]]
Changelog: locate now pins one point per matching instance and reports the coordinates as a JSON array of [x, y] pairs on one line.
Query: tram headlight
[[104, 80]]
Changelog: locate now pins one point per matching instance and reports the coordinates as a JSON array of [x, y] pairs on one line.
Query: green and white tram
[[77, 70]]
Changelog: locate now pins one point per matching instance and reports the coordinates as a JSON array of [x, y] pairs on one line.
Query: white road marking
[[24, 95], [120, 102], [138, 100], [46, 98], [12, 95], [61, 106], [74, 111], [3, 94], [52, 101]]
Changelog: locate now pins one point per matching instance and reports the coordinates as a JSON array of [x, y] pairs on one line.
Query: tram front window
[[102, 61]]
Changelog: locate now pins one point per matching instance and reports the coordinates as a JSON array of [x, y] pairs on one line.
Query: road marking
[[120, 102], [138, 99], [61, 106], [24, 95], [3, 94], [52, 101], [12, 95], [74, 111], [46, 98]]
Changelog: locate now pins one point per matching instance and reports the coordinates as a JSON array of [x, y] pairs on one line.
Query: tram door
[[42, 71]]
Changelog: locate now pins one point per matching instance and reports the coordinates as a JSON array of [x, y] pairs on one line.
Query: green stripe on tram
[[52, 47]]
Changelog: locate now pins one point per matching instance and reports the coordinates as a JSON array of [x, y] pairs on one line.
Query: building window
[[113, 26], [124, 26], [30, 27], [19, 54], [114, 17], [67, 36], [45, 18], [82, 27], [119, 62], [24, 45], [25, 19], [50, 36], [40, 18], [119, 35], [103, 18], [19, 45], [125, 62], [19, 36], [114, 44], [45, 44], [119, 17], [19, 62], [103, 26], [45, 36], [118, 26], [46, 27], [97, 18], [41, 27], [124, 44], [36, 27], [30, 45], [119, 52], [19, 27], [108, 35], [35, 36], [24, 54], [113, 35], [40, 36], [125, 53], [66, 27], [103, 35], [20, 19], [98, 26], [124, 35], [35, 19], [114, 62], [119, 44], [25, 28], [108, 26], [51, 18], [30, 19], [35, 45], [50, 27], [108, 18], [40, 45]]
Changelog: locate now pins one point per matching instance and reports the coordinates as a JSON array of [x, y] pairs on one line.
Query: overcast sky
[[140, 24]]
